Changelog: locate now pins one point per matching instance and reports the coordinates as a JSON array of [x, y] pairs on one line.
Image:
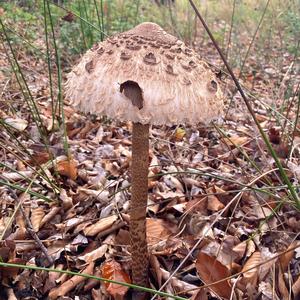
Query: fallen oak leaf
[[211, 270], [112, 270], [157, 230]]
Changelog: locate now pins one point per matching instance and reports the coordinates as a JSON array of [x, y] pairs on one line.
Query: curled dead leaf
[[37, 214], [211, 270], [70, 284], [16, 123], [99, 226], [112, 270], [67, 167], [235, 141], [287, 256], [296, 288], [214, 204], [250, 270]]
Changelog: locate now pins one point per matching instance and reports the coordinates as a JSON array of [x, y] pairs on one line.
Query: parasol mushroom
[[146, 76]]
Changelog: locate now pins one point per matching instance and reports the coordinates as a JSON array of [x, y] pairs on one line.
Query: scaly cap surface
[[145, 75]]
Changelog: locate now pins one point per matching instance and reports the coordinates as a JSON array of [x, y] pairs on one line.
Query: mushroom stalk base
[[139, 195]]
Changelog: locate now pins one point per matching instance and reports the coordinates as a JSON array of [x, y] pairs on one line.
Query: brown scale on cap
[[150, 57]]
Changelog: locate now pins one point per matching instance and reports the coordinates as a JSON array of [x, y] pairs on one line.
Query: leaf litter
[[78, 205]]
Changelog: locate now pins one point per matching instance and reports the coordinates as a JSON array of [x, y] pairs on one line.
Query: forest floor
[[217, 203]]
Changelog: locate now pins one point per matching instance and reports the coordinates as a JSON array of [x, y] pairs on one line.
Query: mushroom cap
[[145, 75]]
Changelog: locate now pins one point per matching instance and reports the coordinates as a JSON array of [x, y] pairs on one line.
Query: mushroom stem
[[139, 195]]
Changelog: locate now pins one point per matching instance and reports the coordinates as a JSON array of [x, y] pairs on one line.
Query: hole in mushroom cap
[[133, 92]]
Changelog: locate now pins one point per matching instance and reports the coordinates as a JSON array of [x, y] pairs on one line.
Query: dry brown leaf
[[37, 214], [49, 216], [173, 183], [97, 295], [11, 272], [250, 248], [91, 282], [296, 288], [154, 166], [157, 230], [39, 158], [200, 295], [112, 270], [281, 285], [211, 270], [11, 295], [214, 204], [21, 228], [15, 176], [155, 266], [112, 167], [16, 123], [198, 204], [287, 256], [67, 167], [240, 249], [95, 254], [251, 276], [99, 226], [236, 141], [67, 202], [70, 284], [175, 283]]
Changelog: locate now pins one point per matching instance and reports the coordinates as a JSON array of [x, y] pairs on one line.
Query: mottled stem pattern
[[139, 194]]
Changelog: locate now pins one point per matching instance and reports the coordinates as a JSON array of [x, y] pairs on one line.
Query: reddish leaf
[[274, 135], [11, 272], [211, 270], [112, 270], [39, 158], [69, 17], [67, 168]]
